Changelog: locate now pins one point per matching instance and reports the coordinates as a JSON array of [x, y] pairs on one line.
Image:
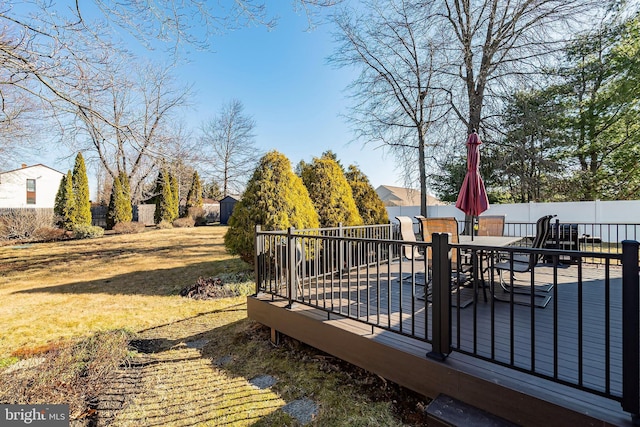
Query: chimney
[[24, 165]]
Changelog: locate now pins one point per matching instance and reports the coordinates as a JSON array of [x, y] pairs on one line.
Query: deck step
[[447, 411]]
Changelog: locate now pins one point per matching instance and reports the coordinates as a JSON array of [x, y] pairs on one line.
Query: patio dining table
[[478, 256]]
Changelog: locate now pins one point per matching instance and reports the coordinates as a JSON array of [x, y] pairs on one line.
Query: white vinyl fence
[[622, 218]]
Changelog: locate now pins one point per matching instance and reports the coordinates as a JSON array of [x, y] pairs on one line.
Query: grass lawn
[[168, 360]]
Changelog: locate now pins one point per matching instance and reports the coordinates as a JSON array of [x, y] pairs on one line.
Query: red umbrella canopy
[[472, 199]]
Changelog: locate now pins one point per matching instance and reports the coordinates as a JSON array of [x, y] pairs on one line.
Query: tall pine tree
[[194, 196], [68, 208], [119, 209], [175, 194], [81, 193], [61, 196], [166, 206]]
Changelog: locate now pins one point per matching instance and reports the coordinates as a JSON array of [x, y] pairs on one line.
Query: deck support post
[[441, 297], [276, 336], [630, 330]]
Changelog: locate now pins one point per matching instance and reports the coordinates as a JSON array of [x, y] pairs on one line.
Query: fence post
[[630, 329], [258, 258], [291, 267], [441, 297]]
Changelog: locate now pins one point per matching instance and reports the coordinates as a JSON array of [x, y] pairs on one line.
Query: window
[[31, 191]]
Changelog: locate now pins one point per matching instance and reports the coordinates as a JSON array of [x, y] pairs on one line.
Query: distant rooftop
[[401, 196]]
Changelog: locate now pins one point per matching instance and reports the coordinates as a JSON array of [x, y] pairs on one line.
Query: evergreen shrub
[[83, 231], [275, 199], [330, 193], [369, 204]]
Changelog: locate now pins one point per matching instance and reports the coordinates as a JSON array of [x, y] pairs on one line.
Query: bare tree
[[395, 103], [491, 45], [230, 136], [50, 52], [127, 125]]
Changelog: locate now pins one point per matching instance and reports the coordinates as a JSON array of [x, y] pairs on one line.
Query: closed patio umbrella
[[472, 199]]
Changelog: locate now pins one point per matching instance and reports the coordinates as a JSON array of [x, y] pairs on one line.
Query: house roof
[[32, 166], [401, 196]]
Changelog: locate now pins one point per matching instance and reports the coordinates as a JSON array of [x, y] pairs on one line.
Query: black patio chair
[[526, 262]]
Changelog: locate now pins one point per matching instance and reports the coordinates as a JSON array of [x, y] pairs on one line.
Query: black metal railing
[[585, 335]]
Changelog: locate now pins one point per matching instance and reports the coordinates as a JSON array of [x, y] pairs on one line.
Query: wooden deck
[[380, 322]]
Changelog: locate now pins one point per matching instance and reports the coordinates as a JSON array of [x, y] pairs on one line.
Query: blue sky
[[285, 83]]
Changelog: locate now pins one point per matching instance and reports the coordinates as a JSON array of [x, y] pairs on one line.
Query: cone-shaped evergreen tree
[[119, 209], [175, 196], [330, 193], [275, 198], [370, 206], [116, 189], [81, 193], [61, 195], [69, 206], [126, 212], [165, 202], [194, 196]]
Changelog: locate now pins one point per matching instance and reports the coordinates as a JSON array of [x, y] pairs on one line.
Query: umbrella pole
[[473, 226]]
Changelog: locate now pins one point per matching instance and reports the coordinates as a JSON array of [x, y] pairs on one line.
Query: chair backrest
[[543, 228], [491, 225], [441, 225], [406, 233]]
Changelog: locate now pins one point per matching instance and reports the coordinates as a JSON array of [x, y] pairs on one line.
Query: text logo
[[34, 415]]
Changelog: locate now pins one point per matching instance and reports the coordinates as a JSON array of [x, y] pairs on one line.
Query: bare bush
[[163, 225], [184, 222], [22, 223], [130, 227], [197, 213], [73, 373], [48, 234]]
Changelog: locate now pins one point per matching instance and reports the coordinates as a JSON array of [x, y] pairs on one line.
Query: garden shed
[[226, 207]]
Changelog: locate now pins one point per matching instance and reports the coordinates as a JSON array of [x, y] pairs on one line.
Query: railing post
[[291, 268], [340, 250], [441, 296], [258, 258], [630, 330]]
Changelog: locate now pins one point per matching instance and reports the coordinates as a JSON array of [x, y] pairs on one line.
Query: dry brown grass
[[55, 294], [73, 288]]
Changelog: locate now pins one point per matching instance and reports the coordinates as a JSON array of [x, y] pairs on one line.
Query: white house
[[29, 187]]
